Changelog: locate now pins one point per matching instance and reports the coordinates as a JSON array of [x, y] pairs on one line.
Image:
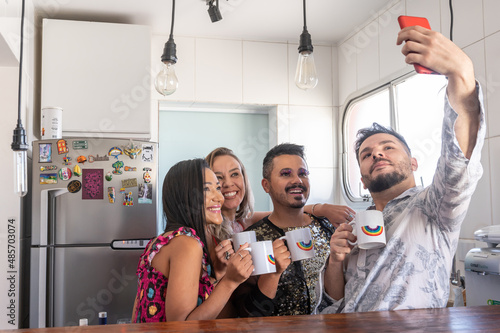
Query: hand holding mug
[[282, 255], [239, 265], [339, 242]]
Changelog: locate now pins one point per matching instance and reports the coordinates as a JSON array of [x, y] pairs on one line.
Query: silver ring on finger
[[227, 256], [241, 255]]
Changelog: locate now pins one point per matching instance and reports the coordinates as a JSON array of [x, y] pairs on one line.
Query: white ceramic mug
[[369, 227], [299, 243], [263, 257], [241, 238]]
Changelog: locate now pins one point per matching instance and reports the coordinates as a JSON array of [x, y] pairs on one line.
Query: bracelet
[[312, 210]]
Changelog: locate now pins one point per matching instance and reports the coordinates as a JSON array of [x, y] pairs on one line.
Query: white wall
[[10, 13], [370, 54], [218, 72]]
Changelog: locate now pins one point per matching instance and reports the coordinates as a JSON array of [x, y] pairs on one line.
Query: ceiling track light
[[166, 82], [213, 10], [305, 75]]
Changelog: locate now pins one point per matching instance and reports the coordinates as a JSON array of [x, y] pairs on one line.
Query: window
[[413, 106]]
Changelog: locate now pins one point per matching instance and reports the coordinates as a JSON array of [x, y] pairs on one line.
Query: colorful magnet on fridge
[[146, 175], [74, 186], [81, 159], [65, 173], [128, 199], [115, 152], [80, 144], [132, 150], [77, 171], [128, 168], [111, 194], [62, 147], [122, 190], [145, 194], [48, 178], [48, 168], [117, 165], [108, 176], [66, 160], [45, 152]]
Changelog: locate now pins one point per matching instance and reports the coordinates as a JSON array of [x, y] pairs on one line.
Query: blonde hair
[[245, 209]]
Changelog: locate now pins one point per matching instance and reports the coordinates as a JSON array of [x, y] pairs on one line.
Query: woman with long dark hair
[[176, 281]]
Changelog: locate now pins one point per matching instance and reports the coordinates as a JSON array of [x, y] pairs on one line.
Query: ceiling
[[328, 21]]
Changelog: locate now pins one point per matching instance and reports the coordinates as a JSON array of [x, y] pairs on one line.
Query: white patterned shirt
[[422, 229]]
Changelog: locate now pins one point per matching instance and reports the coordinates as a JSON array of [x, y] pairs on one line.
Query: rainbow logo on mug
[[305, 246], [271, 259], [372, 231]]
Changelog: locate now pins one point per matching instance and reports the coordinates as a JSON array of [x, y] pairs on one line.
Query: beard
[[387, 180]]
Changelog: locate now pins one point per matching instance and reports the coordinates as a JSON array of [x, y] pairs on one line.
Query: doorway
[[187, 134]]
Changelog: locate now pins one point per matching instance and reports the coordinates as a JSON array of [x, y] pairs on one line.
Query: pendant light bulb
[[166, 82], [305, 75], [20, 149]]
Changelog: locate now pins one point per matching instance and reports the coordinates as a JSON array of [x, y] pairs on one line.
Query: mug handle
[[354, 233]]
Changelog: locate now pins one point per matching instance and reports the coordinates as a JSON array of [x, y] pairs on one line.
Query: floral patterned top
[[152, 284]]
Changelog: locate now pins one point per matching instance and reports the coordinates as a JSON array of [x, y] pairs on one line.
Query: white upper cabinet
[[100, 74]]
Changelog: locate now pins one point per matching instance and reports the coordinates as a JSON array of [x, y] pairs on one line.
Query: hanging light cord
[[20, 68], [304, 12], [451, 20], [173, 16]]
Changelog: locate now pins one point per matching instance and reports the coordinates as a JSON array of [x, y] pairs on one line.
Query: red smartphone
[[409, 21]]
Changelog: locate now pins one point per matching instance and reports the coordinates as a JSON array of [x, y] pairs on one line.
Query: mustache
[[379, 160], [302, 187]]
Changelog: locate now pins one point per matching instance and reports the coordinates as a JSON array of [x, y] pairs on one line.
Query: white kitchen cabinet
[[100, 74]]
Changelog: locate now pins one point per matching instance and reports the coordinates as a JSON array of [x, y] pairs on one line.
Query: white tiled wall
[[477, 31], [221, 73]]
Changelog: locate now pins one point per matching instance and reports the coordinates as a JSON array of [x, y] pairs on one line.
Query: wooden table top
[[466, 319]]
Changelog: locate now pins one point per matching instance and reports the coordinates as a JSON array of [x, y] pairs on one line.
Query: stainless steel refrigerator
[[94, 208]]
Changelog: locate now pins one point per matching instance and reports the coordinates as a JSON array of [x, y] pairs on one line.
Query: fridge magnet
[[128, 200], [115, 152], [129, 168], [74, 186], [122, 190], [48, 178], [117, 165], [67, 160], [132, 150], [109, 176], [77, 171], [81, 159], [48, 168], [145, 194], [111, 194], [80, 144], [92, 184], [61, 147], [132, 182], [147, 153], [97, 158], [65, 173], [45, 152], [146, 175]]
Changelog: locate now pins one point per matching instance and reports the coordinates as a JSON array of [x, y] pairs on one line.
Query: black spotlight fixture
[[213, 10]]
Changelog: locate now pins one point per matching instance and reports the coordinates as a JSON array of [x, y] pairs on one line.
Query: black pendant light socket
[[305, 42], [169, 51], [19, 139]]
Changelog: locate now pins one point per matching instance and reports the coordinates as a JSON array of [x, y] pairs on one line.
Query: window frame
[[394, 123]]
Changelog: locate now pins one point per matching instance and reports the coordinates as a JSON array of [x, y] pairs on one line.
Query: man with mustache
[[296, 287], [422, 225]]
